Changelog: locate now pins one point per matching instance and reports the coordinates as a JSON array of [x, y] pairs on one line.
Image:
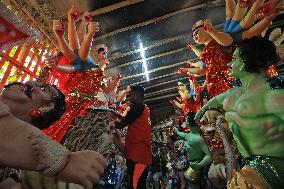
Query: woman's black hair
[[190, 119], [48, 118], [258, 54], [139, 89]]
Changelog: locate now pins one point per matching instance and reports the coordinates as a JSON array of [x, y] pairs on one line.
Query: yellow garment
[[192, 174], [247, 178]]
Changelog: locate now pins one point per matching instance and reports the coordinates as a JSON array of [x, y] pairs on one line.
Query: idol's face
[[237, 64], [24, 97], [199, 35]]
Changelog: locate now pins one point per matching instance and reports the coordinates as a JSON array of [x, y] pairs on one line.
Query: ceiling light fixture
[[142, 54]]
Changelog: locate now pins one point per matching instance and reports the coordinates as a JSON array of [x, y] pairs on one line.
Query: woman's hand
[[4, 109]]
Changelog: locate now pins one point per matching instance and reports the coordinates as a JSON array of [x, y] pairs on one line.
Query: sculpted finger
[[87, 184], [100, 166], [94, 177], [275, 136]]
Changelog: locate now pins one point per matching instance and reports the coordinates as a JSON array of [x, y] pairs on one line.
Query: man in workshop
[[137, 147]]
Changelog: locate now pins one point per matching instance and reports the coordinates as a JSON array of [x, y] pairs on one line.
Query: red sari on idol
[[216, 60], [189, 105], [80, 91]]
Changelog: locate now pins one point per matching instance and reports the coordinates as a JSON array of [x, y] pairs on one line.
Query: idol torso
[[256, 129]]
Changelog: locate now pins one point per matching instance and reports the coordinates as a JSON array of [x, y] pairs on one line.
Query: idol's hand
[[246, 3], [195, 166], [189, 46], [73, 14], [51, 61], [208, 26], [118, 76], [87, 17], [273, 132], [190, 64], [269, 9], [176, 130], [93, 28], [173, 102], [128, 89], [58, 27], [192, 77], [84, 168], [183, 71]]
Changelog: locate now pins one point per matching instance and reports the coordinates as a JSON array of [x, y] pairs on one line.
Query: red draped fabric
[[82, 83], [9, 33], [216, 60]]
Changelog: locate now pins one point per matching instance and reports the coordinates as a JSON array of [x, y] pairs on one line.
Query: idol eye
[[43, 88], [234, 58], [194, 36]]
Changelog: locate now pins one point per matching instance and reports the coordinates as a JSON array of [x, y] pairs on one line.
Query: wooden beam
[[153, 107], [16, 63], [162, 108], [3, 60], [114, 7], [154, 45], [9, 68], [35, 23], [160, 43], [30, 63], [160, 68], [171, 89], [167, 82], [152, 21], [39, 62], [158, 98], [152, 79], [162, 114]]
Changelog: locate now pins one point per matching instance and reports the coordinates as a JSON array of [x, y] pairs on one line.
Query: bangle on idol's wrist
[[51, 157], [4, 110]]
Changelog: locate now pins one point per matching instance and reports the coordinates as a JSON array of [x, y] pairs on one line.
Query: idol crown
[[197, 24]]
